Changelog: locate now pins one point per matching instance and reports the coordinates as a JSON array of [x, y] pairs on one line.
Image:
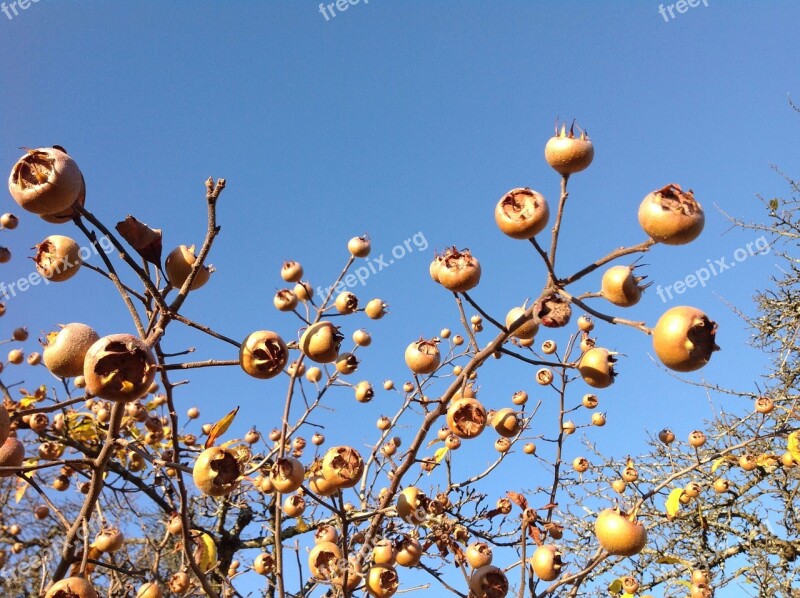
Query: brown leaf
[[219, 428], [145, 240], [535, 534], [518, 499]]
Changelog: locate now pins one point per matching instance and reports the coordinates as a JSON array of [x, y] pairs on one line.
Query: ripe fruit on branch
[[522, 213], [621, 287], [217, 471], [553, 310], [45, 181], [671, 216], [526, 328], [57, 258], [12, 454], [286, 474], [291, 271], [65, 350], [263, 354], [666, 436], [9, 221], [321, 342], [505, 422], [422, 356], [72, 587], [179, 265], [596, 367], [5, 424], [466, 417], [119, 367], [359, 246], [479, 554], [382, 581], [488, 582], [412, 505], [568, 154], [458, 271], [150, 590], [684, 339], [408, 551], [546, 562], [323, 560], [346, 302], [618, 534], [342, 466], [110, 539]]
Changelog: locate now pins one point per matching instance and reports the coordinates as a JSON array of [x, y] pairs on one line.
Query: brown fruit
[[45, 181], [505, 422], [110, 539], [321, 342], [179, 583], [666, 436], [9, 221], [411, 505], [459, 271], [178, 266], [671, 216], [567, 154], [12, 454], [150, 590], [630, 584], [546, 562], [57, 258], [466, 417], [618, 534], [286, 474], [383, 552], [321, 486], [522, 213], [553, 310], [216, 471], [375, 309], [683, 339], [285, 300], [697, 438], [64, 351], [342, 466], [291, 271], [409, 551], [323, 560], [359, 246], [621, 287], [72, 587], [119, 367], [382, 581], [479, 554], [346, 303], [72, 211], [526, 328], [422, 356], [5, 424], [263, 354], [580, 464], [596, 367], [488, 582], [294, 505]]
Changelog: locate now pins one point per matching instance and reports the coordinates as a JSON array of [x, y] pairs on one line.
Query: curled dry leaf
[[145, 240]]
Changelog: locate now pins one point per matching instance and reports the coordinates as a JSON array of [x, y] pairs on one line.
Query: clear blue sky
[[398, 118]]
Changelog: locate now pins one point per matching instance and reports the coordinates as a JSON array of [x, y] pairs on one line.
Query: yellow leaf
[[301, 525], [22, 486], [207, 553], [615, 587], [794, 445], [670, 560], [673, 503], [718, 462], [26, 402], [440, 454], [219, 428]]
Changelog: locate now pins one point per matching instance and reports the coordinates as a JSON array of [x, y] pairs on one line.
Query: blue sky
[[403, 118]]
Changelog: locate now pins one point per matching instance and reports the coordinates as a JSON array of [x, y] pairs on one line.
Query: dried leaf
[[145, 240], [535, 534], [219, 428], [22, 486], [673, 503], [518, 499]]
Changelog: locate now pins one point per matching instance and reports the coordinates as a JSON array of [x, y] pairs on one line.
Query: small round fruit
[[529, 448], [119, 367], [619, 535], [263, 354], [700, 576], [422, 356], [284, 300], [57, 258], [321, 342], [16, 356], [692, 489], [502, 445], [383, 553], [466, 417], [581, 464], [45, 181], [382, 581], [629, 474], [505, 422], [459, 271], [522, 213], [520, 397], [342, 466], [479, 554], [408, 551], [375, 309], [683, 339], [9, 221], [346, 303], [411, 505], [568, 427], [362, 338], [764, 405], [721, 485], [671, 216], [549, 347], [621, 287], [697, 438], [72, 587], [585, 324], [110, 539], [630, 584], [217, 471], [590, 401], [666, 436], [596, 367], [179, 583], [286, 474], [568, 154], [323, 560], [552, 310], [526, 327], [291, 271], [544, 376], [303, 290], [546, 562], [5, 255], [346, 364], [488, 582], [359, 246], [178, 266], [294, 505], [12, 454], [748, 462], [264, 563]]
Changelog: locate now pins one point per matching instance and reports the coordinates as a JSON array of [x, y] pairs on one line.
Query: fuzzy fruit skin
[[488, 582], [410, 505], [216, 471], [684, 339], [56, 187], [65, 352], [422, 357], [58, 258], [505, 422], [479, 555], [287, 475], [459, 271], [546, 562], [522, 213], [323, 560], [321, 342], [618, 535], [150, 590], [671, 216], [109, 540], [382, 581], [527, 329], [342, 466], [179, 265], [263, 354], [5, 424], [596, 368], [129, 357], [72, 587], [568, 155], [69, 214], [466, 417], [619, 286], [409, 552], [12, 454]]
